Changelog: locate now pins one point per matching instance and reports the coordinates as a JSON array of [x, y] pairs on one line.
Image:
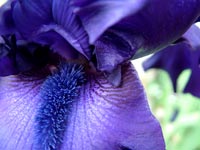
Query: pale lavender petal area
[[18, 105], [36, 19], [97, 16], [109, 118], [193, 36], [103, 117]]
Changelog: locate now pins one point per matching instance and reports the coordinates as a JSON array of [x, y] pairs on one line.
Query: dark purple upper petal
[[158, 24], [184, 54], [98, 16], [173, 59], [111, 50], [33, 18], [193, 85], [147, 27], [6, 20]]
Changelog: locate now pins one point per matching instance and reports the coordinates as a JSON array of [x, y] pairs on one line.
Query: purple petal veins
[[55, 107]]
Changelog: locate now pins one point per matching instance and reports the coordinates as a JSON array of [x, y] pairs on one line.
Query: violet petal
[[184, 54], [141, 33], [6, 21], [193, 85], [98, 16], [18, 104], [173, 59], [158, 24], [111, 50], [48, 16], [104, 117]]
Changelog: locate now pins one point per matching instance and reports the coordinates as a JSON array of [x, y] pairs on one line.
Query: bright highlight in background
[[2, 2]]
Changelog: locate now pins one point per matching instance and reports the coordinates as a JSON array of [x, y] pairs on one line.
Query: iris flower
[[184, 54], [66, 77]]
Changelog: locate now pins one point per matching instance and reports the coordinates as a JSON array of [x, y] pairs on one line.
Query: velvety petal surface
[[18, 105], [184, 54], [36, 18], [153, 26], [173, 59], [193, 85], [103, 117], [158, 24], [6, 21], [97, 16], [112, 118], [111, 50]]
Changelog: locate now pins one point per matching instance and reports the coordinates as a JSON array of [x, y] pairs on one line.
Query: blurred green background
[[178, 113]]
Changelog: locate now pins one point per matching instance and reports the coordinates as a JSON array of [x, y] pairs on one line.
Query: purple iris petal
[[103, 117], [184, 54], [158, 24], [193, 85], [98, 16], [193, 36], [6, 21], [110, 110], [19, 101], [111, 50], [173, 59], [110, 117], [33, 18], [142, 30]]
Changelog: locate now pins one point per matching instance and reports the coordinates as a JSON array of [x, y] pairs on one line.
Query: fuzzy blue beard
[[58, 93]]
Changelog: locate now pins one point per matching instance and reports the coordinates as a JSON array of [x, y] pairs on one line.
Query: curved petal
[[6, 21], [160, 29], [98, 16], [150, 31], [173, 59], [193, 36], [184, 54], [111, 50], [18, 104], [143, 32], [82, 2], [106, 117], [34, 18], [193, 85]]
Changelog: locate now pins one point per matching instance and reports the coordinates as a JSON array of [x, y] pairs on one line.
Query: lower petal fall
[[104, 117], [113, 118]]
